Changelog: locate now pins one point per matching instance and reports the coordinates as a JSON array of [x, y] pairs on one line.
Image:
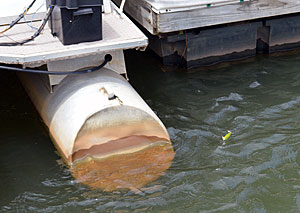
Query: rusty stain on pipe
[[126, 171]]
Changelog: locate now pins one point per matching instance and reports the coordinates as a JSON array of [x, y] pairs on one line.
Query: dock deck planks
[[171, 16], [118, 33]]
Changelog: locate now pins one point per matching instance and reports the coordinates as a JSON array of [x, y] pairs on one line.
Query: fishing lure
[[224, 138]]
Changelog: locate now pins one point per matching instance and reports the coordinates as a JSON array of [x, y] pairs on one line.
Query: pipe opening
[[121, 147]]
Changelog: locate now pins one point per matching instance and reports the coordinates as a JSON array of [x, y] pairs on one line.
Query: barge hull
[[191, 34]]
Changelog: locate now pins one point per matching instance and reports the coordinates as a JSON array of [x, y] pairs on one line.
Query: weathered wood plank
[[208, 46], [170, 22], [141, 11], [168, 6], [284, 33], [222, 41]]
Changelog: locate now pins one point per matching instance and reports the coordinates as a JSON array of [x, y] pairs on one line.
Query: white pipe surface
[[87, 114]]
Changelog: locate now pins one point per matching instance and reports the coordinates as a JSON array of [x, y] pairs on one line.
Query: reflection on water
[[128, 170], [257, 170]]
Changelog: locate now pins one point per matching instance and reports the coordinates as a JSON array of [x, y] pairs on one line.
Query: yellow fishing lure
[[224, 138]]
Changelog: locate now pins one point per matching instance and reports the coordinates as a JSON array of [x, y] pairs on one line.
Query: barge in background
[[200, 33]]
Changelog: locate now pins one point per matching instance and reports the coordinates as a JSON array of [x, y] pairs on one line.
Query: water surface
[[257, 169]]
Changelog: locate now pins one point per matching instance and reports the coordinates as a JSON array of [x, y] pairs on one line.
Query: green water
[[257, 170]]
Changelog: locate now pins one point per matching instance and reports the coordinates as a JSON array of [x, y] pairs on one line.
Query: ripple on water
[[254, 84]]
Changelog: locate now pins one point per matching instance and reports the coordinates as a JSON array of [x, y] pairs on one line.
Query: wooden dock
[[119, 33], [210, 31]]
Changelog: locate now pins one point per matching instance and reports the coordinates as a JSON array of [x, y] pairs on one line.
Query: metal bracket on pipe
[[119, 11], [107, 6], [122, 5], [73, 64], [110, 94]]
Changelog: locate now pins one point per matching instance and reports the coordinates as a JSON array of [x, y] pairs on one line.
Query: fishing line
[[32, 18]]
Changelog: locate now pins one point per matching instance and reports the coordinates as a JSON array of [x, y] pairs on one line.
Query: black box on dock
[[76, 21]]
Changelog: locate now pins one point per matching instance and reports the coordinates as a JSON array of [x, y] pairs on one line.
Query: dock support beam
[[284, 33], [230, 42]]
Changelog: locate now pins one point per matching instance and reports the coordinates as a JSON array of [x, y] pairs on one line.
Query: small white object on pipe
[[122, 5]]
